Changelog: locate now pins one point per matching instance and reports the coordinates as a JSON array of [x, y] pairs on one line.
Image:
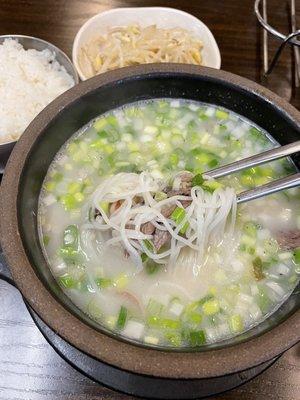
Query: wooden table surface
[[29, 368]]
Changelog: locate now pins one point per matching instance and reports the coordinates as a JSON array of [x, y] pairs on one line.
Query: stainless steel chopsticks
[[258, 159], [287, 182]]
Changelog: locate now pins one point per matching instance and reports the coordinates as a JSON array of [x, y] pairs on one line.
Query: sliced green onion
[[68, 201], [105, 206], [251, 228], [211, 307], [197, 338], [164, 323], [271, 246], [122, 317], [70, 249], [178, 215], [174, 339], [67, 281], [121, 281], [236, 323], [152, 267], [263, 300], [70, 236], [57, 177], [159, 196], [197, 180], [149, 245], [212, 185], [154, 307], [46, 240], [103, 283], [100, 124], [296, 257], [221, 114], [74, 187], [50, 186], [194, 317], [258, 268]]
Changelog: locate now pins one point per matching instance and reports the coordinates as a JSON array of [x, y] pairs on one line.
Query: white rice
[[29, 80]]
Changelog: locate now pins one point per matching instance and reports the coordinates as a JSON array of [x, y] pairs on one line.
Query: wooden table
[[29, 368]]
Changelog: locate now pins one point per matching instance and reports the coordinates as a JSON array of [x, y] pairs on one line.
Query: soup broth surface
[[240, 280]]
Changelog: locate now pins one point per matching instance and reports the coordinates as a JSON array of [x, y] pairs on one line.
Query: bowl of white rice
[[33, 72]]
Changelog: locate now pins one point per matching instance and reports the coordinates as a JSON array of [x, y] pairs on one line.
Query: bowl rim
[[184, 14], [48, 44], [122, 354]]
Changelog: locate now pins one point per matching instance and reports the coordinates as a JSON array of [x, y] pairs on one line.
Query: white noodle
[[206, 216]]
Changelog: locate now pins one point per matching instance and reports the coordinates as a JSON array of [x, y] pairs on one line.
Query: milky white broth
[[237, 285]]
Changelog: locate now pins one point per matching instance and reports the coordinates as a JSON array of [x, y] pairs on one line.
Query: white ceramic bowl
[[163, 17], [30, 42]]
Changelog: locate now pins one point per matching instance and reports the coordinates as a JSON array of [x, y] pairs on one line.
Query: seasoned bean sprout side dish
[[124, 46], [149, 248]]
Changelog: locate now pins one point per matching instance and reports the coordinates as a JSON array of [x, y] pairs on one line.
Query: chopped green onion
[[296, 257], [250, 228], [144, 257], [194, 318], [213, 163], [154, 307], [149, 245], [50, 186], [105, 206], [197, 338], [68, 201], [74, 187], [197, 180], [103, 283], [46, 240], [121, 281], [122, 317], [178, 215], [152, 267], [263, 300], [79, 197], [70, 249], [57, 177], [271, 246], [174, 339], [205, 299], [236, 323], [211, 307], [164, 323], [67, 281], [70, 236], [212, 185], [94, 309], [257, 268], [174, 159], [100, 124], [112, 120], [220, 114], [159, 196]]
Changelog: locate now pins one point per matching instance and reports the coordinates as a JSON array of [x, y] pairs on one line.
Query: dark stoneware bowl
[[143, 370]]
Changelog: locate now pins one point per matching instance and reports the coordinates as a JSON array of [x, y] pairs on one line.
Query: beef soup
[[149, 248]]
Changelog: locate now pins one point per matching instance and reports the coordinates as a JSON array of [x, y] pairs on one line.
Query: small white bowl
[[163, 17]]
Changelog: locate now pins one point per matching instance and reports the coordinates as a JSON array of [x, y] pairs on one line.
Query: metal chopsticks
[[258, 159], [287, 182]]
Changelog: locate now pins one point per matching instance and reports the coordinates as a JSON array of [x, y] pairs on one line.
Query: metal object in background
[[296, 49], [290, 39]]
